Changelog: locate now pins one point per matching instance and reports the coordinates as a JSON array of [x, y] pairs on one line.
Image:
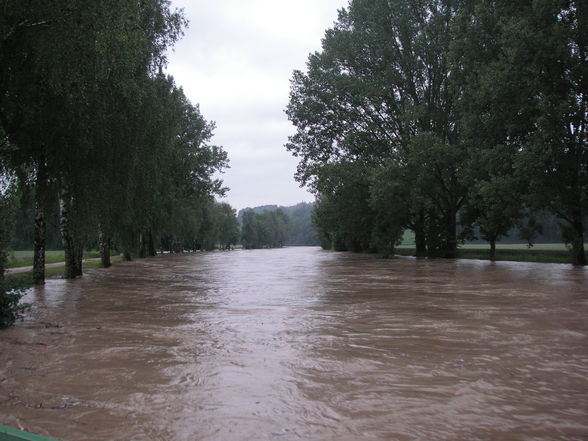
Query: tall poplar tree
[[381, 92], [525, 106]]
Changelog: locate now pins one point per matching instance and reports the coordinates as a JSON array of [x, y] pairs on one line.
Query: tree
[[10, 309], [526, 95], [109, 136], [268, 229], [394, 199], [228, 233], [382, 90], [343, 216], [302, 232], [50, 94], [553, 38], [249, 230]]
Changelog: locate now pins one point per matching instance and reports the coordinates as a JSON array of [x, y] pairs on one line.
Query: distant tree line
[[95, 138], [267, 229], [300, 230], [218, 230], [445, 117]]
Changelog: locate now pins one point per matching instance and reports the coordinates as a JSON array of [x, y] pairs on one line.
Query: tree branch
[[23, 24]]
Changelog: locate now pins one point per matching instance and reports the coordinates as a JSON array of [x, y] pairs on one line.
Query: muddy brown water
[[302, 344]]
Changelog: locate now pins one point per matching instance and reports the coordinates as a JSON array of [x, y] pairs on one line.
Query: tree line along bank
[[445, 118], [96, 137]]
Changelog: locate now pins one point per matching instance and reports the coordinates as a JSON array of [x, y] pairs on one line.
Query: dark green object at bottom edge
[[10, 434]]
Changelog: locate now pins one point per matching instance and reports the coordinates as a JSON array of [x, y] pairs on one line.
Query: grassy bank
[[17, 259], [543, 253], [25, 280]]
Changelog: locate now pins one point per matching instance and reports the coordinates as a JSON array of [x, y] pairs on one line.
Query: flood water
[[302, 344]]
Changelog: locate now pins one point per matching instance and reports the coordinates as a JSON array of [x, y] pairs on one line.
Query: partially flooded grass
[[542, 253], [25, 279], [17, 259]]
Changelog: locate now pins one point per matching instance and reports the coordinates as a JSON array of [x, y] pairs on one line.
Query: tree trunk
[[578, 252], [151, 251], [493, 249], [419, 236], [67, 236], [39, 245], [78, 259], [40, 233], [104, 245], [451, 238], [142, 246]]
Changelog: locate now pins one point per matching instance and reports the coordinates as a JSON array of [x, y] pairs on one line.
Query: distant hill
[[260, 209], [302, 232]]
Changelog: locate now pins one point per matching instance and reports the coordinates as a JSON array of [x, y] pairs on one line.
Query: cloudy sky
[[236, 60]]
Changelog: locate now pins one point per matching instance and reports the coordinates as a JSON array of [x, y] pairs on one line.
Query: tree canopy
[[265, 229], [444, 117], [93, 133]]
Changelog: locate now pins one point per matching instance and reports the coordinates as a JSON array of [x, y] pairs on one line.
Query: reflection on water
[[302, 344]]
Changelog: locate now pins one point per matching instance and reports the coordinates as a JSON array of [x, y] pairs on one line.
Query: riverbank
[[539, 253], [19, 259], [22, 277]]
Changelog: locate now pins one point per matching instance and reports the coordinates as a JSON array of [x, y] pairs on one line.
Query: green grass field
[[544, 253], [541, 252], [505, 246], [408, 239], [516, 246], [25, 280], [25, 258]]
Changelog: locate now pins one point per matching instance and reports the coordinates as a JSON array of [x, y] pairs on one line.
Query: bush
[[11, 310]]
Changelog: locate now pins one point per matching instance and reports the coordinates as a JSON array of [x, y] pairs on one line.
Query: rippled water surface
[[302, 344]]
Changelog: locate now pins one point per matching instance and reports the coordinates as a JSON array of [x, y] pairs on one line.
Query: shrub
[[11, 310]]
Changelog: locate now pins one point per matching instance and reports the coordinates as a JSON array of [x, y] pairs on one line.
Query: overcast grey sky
[[236, 61]]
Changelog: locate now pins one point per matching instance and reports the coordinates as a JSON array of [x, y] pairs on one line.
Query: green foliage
[[470, 113], [381, 94], [218, 227], [268, 229], [342, 214], [169, 194], [301, 231], [7, 214], [228, 225], [11, 309], [392, 209], [96, 129], [529, 93]]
